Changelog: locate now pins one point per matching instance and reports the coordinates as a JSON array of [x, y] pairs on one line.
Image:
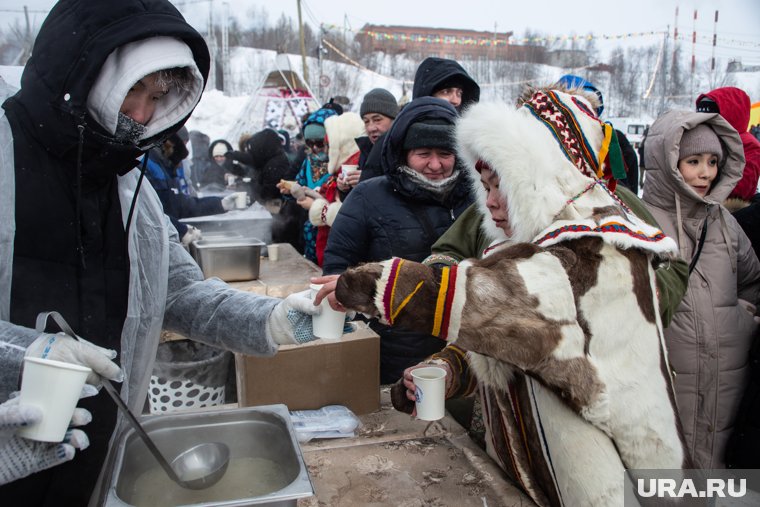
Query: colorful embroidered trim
[[561, 122], [588, 187], [406, 300], [438, 318], [443, 303], [390, 292], [605, 148], [615, 227]]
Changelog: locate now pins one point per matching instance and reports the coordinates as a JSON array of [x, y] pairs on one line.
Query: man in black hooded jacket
[[80, 235]]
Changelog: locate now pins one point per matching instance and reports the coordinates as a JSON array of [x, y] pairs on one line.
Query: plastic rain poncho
[[166, 289]]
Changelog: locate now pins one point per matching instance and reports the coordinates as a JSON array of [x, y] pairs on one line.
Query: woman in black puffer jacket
[[403, 213]]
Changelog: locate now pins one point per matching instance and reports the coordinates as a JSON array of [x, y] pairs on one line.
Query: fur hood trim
[[547, 193], [341, 131]]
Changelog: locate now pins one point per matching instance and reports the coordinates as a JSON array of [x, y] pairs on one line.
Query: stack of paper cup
[[430, 392], [54, 387], [328, 325]]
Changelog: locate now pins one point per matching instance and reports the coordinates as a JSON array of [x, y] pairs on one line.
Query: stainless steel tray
[[263, 433], [229, 258]]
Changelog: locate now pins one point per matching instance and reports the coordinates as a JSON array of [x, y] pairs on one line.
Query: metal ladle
[[199, 467]]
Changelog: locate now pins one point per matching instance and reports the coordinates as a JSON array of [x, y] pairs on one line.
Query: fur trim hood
[[551, 189], [341, 131]]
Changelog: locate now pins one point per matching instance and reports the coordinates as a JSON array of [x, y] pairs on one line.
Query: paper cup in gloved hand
[[54, 387], [430, 392], [328, 325]]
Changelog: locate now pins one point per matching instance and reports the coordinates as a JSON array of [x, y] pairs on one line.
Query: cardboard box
[[310, 376]]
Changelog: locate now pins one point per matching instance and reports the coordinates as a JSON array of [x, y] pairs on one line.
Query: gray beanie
[[379, 101], [432, 133], [700, 139]]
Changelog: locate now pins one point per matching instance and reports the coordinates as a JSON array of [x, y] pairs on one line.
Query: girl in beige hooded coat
[[711, 332]]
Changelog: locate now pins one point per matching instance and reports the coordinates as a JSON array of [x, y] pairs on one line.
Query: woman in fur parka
[[711, 332]]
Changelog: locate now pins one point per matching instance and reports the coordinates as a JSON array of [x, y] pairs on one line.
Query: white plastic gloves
[[192, 234], [61, 347], [20, 457], [290, 321], [230, 202]]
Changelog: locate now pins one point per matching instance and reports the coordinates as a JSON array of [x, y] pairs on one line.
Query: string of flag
[[486, 40], [496, 41], [358, 65]]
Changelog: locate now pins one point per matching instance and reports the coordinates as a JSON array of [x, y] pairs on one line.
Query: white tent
[[279, 102]]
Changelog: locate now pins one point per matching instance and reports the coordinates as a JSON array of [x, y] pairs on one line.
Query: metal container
[[253, 222], [232, 260], [262, 433], [218, 236]]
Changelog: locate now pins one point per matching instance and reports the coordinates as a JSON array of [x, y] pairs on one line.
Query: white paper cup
[[348, 169], [430, 392], [241, 200], [54, 387], [328, 325], [274, 252]]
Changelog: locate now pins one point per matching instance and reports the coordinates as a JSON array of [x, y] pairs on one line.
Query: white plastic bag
[[331, 421]]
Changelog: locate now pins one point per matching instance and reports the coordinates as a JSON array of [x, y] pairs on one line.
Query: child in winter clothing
[[694, 161]]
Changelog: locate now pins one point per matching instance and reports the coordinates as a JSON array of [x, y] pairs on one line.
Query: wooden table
[[393, 459], [400, 461], [289, 274]]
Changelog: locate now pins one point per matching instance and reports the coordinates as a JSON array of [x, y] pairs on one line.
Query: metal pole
[[303, 44], [319, 59], [715, 38], [664, 75], [226, 50], [211, 85]]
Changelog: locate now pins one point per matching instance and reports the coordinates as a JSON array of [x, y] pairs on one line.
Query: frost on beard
[[128, 130]]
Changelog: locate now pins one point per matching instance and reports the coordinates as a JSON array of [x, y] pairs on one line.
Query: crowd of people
[[526, 243]]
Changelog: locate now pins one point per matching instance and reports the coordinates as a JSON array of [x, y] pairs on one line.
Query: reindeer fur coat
[[573, 303]]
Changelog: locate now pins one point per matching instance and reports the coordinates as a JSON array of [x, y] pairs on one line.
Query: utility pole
[[320, 52], [664, 74], [303, 44], [211, 85], [226, 80]]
